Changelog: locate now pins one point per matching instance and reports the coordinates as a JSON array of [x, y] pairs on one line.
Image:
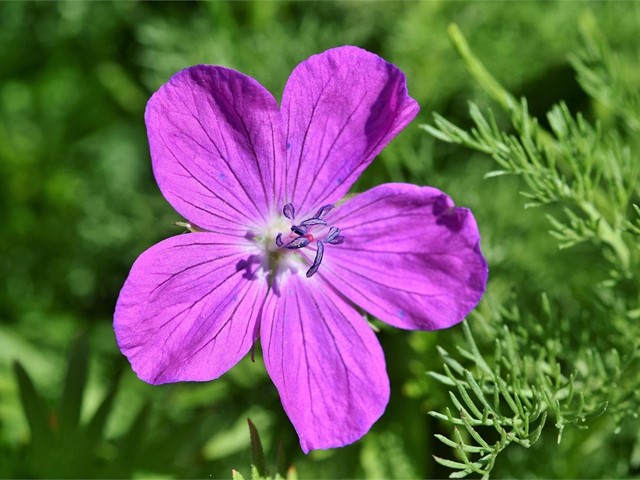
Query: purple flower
[[276, 256]]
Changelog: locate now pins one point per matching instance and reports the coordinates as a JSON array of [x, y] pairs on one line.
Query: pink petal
[[216, 141], [341, 108], [188, 310], [409, 257], [325, 362]]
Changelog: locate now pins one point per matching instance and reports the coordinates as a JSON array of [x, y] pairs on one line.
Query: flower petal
[[325, 362], [340, 108], [188, 309], [409, 256], [216, 140]]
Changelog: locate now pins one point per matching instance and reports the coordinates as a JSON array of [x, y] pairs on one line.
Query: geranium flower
[[275, 256]]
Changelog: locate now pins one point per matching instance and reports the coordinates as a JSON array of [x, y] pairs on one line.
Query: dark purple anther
[[334, 237], [318, 260], [299, 230], [333, 233], [323, 211], [279, 241], [289, 211], [336, 240], [312, 221], [299, 242]]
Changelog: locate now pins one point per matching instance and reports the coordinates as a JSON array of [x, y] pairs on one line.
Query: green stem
[[477, 70], [489, 84]]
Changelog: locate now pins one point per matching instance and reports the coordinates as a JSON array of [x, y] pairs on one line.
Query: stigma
[[312, 230]]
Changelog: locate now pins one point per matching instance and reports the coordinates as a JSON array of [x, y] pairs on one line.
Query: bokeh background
[[78, 204]]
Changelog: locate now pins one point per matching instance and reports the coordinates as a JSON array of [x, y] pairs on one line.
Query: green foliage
[[548, 368], [54, 432], [259, 469], [608, 76]]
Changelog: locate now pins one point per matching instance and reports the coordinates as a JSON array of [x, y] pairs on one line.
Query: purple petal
[[188, 309], [341, 108], [409, 257], [326, 363], [217, 143]]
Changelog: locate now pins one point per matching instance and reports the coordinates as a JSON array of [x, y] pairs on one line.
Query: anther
[[334, 237], [299, 230], [318, 260], [312, 221], [299, 242], [333, 233], [289, 211], [337, 240], [323, 211]]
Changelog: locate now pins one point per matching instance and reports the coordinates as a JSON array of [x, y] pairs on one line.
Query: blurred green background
[[78, 204]]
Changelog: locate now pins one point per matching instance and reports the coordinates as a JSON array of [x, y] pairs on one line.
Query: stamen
[[289, 211], [318, 260], [299, 242], [337, 240], [324, 210], [305, 237], [312, 221], [333, 233], [298, 230]]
